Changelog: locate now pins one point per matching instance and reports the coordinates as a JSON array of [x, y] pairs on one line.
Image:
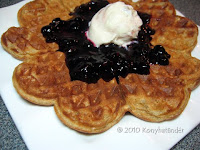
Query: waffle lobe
[[43, 77]]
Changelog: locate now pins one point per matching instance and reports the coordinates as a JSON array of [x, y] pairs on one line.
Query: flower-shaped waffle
[[43, 77]]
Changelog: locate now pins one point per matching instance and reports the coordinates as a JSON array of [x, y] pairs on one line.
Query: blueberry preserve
[[88, 63]]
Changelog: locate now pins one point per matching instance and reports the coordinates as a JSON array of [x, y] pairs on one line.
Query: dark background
[[10, 137]]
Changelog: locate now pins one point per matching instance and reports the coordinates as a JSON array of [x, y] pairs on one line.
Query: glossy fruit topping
[[89, 63]]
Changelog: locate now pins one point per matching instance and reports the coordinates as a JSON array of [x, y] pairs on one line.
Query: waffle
[[183, 39], [173, 32], [44, 79], [164, 21], [91, 108], [41, 78], [23, 43], [164, 93], [156, 8], [26, 41], [41, 12]]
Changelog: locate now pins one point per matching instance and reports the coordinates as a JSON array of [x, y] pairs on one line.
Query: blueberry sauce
[[89, 63]]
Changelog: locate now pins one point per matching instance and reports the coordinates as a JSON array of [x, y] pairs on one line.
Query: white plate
[[41, 129]]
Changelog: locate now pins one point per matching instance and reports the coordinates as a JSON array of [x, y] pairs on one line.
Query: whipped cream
[[116, 23]]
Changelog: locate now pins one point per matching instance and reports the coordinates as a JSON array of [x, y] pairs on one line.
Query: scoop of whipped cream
[[116, 23]]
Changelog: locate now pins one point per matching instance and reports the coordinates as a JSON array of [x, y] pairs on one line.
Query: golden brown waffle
[[28, 41], [175, 33], [156, 8], [41, 12], [181, 31], [91, 108], [23, 43], [43, 77], [71, 5], [94, 108], [38, 13], [164, 93]]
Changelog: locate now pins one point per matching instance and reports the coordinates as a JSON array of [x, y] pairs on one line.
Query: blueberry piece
[[74, 25], [85, 71]]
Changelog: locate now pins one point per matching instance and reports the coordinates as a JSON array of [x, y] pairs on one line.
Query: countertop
[[10, 137]]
